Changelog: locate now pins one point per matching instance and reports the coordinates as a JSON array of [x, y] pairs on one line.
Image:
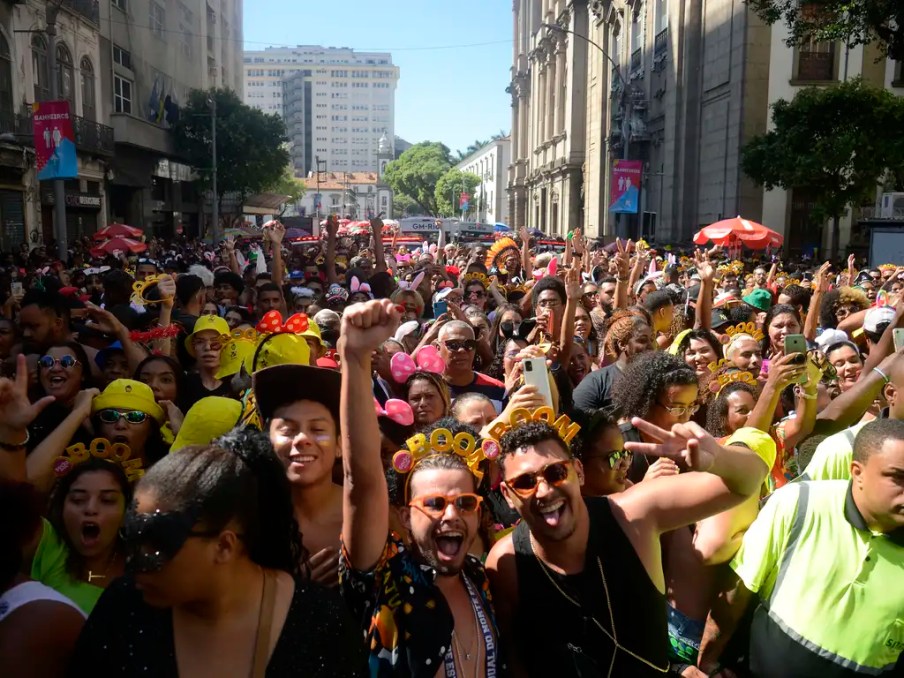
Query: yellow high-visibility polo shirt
[[831, 592]]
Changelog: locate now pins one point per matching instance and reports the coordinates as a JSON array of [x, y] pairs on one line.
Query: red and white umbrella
[[114, 245], [118, 231], [739, 231]]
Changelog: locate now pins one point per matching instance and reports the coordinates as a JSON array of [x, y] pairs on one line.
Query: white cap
[[876, 316], [829, 337], [405, 329]]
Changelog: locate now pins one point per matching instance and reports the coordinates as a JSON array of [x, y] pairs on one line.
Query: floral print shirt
[[406, 620]]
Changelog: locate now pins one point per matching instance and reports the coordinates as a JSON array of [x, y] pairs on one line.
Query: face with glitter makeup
[[305, 438]]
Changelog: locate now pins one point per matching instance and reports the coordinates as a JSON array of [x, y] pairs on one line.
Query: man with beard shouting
[[578, 586], [425, 609]]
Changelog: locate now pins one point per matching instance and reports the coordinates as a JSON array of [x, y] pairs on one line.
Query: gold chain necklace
[[612, 636]]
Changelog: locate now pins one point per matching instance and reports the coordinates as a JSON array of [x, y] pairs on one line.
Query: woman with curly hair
[[214, 545], [730, 409], [661, 389], [840, 303], [628, 334]]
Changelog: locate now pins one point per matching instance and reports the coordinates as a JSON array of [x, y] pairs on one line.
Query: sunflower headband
[[100, 448], [565, 427], [476, 276]]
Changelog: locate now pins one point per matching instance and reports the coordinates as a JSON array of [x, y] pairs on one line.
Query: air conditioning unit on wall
[[891, 206]]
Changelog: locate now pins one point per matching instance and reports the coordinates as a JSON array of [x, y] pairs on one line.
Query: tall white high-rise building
[[337, 103]]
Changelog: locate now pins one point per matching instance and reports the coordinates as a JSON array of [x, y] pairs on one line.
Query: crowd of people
[[352, 457]]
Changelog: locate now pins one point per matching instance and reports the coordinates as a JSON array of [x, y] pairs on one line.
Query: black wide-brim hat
[[283, 384]]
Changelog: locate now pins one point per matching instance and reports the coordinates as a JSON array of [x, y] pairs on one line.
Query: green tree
[[251, 151], [838, 143], [290, 185], [854, 22], [416, 173], [403, 206], [451, 185]]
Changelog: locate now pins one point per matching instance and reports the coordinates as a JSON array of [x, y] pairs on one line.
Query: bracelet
[[882, 374], [16, 446], [622, 280]]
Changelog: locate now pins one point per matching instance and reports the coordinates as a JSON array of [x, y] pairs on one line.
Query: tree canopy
[[416, 173], [290, 185], [854, 22], [839, 143], [450, 186], [251, 151]]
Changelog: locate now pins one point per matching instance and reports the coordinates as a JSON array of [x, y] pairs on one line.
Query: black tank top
[[555, 637]]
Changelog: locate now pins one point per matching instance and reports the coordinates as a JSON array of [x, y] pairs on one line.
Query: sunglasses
[[212, 344], [113, 416], [480, 294], [679, 410], [616, 456], [151, 540], [434, 505], [554, 474], [67, 362], [461, 344]]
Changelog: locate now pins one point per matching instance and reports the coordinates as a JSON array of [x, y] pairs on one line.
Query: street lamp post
[[59, 192], [623, 98], [215, 207]]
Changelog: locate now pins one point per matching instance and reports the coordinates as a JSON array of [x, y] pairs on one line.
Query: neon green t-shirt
[[49, 568], [832, 458]]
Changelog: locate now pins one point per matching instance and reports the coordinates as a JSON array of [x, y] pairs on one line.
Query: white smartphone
[[16, 288], [537, 374], [898, 336]]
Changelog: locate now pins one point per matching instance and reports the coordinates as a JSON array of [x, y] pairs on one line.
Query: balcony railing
[[661, 43], [636, 60], [87, 9], [90, 136]]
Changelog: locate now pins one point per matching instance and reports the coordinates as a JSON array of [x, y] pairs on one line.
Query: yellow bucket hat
[[313, 331], [208, 419], [278, 349], [203, 324], [235, 353], [128, 394]]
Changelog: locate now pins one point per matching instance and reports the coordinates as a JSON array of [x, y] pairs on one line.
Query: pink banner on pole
[[625, 190], [54, 141]]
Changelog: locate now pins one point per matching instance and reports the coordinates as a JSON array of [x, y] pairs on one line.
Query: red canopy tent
[[737, 232], [118, 231], [113, 245]]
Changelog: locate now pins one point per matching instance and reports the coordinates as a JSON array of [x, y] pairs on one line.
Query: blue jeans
[[684, 637]]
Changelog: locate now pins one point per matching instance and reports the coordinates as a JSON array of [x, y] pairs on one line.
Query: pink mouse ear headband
[[397, 410], [414, 284], [402, 365]]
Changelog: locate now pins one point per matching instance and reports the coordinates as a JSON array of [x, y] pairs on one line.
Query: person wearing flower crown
[[425, 608]]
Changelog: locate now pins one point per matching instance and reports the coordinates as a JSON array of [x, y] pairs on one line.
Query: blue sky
[[454, 95]]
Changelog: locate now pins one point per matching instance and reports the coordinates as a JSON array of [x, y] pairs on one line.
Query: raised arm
[[332, 226], [40, 461], [526, 271], [820, 287], [622, 280], [573, 298], [721, 477], [376, 226], [707, 284], [16, 414], [783, 372], [365, 504]]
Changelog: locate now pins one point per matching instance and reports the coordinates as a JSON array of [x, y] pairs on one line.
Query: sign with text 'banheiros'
[[54, 141], [625, 190]]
